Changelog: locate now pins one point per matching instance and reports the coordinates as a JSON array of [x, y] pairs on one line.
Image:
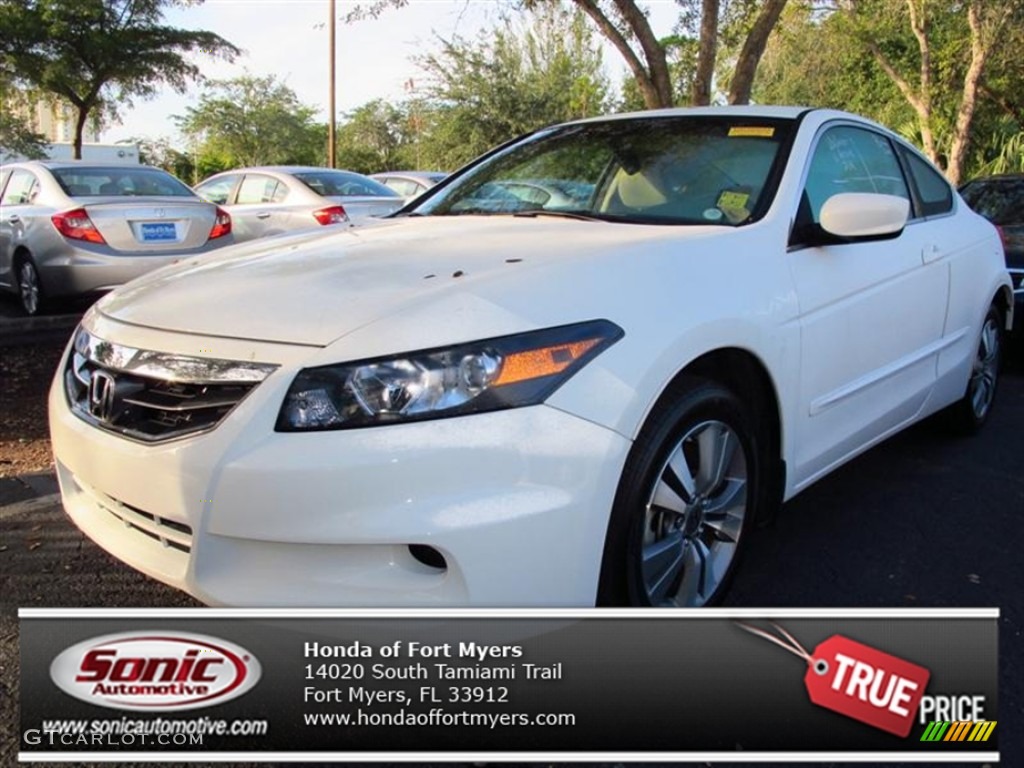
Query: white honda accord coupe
[[496, 399]]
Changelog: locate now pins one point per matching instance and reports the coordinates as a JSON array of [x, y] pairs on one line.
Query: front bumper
[[517, 503]]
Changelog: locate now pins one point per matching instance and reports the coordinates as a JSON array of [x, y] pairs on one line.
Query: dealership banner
[[280, 685]]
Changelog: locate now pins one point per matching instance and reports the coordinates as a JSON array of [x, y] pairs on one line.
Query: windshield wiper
[[579, 215]]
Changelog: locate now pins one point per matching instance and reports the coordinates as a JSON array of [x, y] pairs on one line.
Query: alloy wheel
[[28, 287], [694, 517], [982, 386]]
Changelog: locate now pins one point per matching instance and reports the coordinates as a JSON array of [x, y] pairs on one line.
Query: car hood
[[313, 289]]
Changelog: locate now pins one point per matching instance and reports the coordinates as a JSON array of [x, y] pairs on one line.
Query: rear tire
[[30, 288], [969, 414], [688, 495]]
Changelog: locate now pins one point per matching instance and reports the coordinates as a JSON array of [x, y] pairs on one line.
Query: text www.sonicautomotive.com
[[128, 731], [439, 717]]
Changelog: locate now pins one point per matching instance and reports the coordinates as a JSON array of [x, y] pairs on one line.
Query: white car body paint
[[517, 500]]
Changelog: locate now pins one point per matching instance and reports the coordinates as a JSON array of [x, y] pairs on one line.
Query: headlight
[[487, 375]]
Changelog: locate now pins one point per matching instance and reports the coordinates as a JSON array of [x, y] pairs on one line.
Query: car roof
[[61, 164], [430, 175], [746, 110], [287, 169]]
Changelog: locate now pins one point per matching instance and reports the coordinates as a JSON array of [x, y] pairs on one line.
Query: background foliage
[[947, 74]]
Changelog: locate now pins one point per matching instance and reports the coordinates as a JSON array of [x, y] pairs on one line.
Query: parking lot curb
[[30, 324], [29, 505], [27, 486], [16, 331]]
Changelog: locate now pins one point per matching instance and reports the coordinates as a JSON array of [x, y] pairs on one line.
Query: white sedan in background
[[488, 401], [270, 200]]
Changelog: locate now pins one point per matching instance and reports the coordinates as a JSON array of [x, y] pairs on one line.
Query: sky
[[289, 39]]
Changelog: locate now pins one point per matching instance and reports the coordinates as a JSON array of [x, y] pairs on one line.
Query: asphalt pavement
[[16, 328]]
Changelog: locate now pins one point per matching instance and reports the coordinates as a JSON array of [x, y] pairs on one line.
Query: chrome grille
[[152, 396]]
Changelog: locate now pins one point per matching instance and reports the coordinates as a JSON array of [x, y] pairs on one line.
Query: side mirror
[[855, 216]]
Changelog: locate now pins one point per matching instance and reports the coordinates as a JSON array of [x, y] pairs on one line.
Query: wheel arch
[[745, 375], [1004, 300], [20, 253]]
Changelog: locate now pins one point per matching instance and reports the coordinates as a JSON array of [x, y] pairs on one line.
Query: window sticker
[[759, 131], [733, 199], [733, 203]]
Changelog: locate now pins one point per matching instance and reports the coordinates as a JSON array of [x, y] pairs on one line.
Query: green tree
[[812, 60], [955, 41], [945, 73], [161, 153], [510, 81], [625, 25], [252, 120], [375, 137], [98, 54], [17, 139]]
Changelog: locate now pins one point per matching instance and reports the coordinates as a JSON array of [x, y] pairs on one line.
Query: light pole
[[330, 101]]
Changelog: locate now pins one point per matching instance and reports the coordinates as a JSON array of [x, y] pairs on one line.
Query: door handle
[[263, 215], [14, 218], [930, 253]]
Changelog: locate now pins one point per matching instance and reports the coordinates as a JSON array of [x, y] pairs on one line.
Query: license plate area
[[158, 232]]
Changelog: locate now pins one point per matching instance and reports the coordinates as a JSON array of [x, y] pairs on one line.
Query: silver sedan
[[409, 184], [72, 228], [269, 200]]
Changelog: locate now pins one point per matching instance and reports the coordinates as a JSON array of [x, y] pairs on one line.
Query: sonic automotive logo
[[155, 671]]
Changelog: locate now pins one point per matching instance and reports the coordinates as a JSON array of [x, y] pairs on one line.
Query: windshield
[[124, 181], [658, 170], [342, 183]]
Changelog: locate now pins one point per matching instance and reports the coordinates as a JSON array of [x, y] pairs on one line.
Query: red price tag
[[858, 681], [866, 684]]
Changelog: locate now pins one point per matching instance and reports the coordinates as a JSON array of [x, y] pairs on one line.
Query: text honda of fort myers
[[497, 398]]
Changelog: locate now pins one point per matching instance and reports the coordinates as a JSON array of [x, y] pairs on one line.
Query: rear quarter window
[[933, 190]]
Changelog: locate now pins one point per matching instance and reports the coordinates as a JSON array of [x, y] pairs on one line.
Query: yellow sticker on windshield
[[762, 131], [733, 200]]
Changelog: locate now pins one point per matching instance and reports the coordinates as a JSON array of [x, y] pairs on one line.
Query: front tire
[[688, 494], [30, 287]]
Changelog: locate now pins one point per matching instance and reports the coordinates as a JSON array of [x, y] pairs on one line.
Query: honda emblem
[[101, 395]]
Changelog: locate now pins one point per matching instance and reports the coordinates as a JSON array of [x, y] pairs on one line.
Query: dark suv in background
[[1000, 199]]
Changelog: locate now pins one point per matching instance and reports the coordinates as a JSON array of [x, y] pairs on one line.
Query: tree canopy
[[17, 138], [377, 136], [99, 54], [507, 82], [252, 120], [940, 71]]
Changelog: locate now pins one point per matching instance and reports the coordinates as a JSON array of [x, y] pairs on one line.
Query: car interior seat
[[633, 192]]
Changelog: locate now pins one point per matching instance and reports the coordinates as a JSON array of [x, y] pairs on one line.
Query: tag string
[[793, 646]]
